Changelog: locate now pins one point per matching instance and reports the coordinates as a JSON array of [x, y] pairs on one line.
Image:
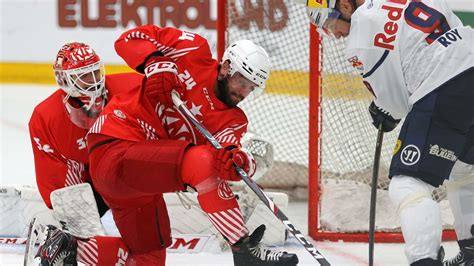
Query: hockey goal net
[[314, 112]]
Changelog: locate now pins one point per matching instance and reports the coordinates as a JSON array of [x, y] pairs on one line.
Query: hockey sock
[[102, 250], [420, 217], [214, 194], [218, 201], [460, 189]]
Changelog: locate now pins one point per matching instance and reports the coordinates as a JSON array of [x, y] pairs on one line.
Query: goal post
[[314, 111]]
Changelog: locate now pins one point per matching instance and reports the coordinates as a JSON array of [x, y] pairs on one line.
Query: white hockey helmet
[[250, 60], [80, 73]]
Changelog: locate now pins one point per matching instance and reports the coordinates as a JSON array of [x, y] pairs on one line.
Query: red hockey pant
[[132, 177]]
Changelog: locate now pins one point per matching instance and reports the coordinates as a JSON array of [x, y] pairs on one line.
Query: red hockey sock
[[102, 250], [223, 210], [214, 194]]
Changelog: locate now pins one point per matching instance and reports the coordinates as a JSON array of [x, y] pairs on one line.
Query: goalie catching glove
[[228, 158], [161, 78], [382, 117]]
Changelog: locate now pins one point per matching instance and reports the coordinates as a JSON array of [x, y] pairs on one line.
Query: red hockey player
[[59, 124], [141, 146]]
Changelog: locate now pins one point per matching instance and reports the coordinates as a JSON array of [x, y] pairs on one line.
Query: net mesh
[[281, 114]]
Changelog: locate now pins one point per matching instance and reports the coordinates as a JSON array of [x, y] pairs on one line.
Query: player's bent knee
[[405, 191], [198, 165]]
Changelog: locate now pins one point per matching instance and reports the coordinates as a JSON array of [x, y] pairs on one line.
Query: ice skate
[[249, 251], [465, 257], [59, 248]]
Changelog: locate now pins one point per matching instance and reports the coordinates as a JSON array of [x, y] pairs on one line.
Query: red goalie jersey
[[134, 118], [59, 146]]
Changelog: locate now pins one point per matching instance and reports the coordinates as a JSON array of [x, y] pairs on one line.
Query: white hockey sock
[[461, 198], [420, 217]]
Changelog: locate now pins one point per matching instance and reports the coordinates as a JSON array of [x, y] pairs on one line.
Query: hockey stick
[[255, 188], [373, 194], [35, 230]]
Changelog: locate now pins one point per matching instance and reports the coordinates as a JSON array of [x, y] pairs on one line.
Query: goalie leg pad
[[460, 189], [420, 217], [76, 210]]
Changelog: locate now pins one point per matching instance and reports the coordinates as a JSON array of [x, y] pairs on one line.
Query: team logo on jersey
[[177, 126], [410, 155], [119, 114], [398, 145], [224, 191], [356, 63], [386, 38], [436, 150]]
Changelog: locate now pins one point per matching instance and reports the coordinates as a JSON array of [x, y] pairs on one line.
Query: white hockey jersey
[[405, 49]]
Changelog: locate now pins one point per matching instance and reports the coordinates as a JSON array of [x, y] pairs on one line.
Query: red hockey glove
[[244, 160], [224, 165], [161, 77], [226, 161]]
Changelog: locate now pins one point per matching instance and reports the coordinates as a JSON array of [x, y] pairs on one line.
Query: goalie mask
[[261, 150], [249, 62], [80, 73]]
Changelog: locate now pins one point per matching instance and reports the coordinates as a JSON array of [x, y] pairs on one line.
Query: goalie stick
[[255, 188], [36, 234], [373, 194]]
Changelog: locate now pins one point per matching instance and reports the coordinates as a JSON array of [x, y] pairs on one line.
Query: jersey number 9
[[426, 19]]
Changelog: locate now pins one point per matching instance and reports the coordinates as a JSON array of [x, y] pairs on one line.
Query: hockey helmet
[[250, 60], [322, 14], [81, 74]]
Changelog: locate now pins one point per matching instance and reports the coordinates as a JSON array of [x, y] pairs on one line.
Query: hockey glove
[[382, 117], [228, 159], [161, 77], [244, 160]]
